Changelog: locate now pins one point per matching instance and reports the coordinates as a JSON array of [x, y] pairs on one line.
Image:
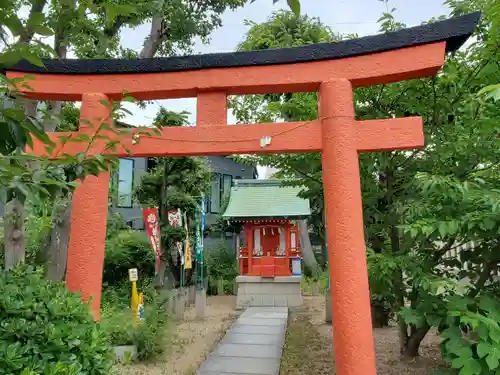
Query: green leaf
[[493, 358], [14, 24], [488, 304], [491, 91], [451, 333], [467, 365], [459, 347], [433, 320], [411, 316], [495, 334], [43, 30], [483, 348], [33, 58], [294, 6], [488, 223], [443, 228]]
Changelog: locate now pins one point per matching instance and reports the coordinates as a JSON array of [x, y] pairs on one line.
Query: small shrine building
[[269, 252]]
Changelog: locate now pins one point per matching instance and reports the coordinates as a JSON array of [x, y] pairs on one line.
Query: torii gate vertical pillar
[[89, 216], [352, 328]]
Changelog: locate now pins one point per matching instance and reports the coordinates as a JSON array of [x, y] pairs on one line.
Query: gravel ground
[[191, 340], [308, 347]]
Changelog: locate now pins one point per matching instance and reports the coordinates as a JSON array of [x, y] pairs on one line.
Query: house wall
[[219, 165]]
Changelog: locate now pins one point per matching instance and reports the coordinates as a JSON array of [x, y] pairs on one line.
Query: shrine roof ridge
[[257, 182], [454, 31]]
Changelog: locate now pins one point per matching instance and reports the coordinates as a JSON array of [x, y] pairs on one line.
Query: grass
[[305, 350], [314, 286]]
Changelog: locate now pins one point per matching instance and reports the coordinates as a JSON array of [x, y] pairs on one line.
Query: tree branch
[[448, 246], [37, 7], [484, 276]]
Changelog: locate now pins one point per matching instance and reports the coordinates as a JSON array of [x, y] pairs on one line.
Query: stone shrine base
[[279, 291]]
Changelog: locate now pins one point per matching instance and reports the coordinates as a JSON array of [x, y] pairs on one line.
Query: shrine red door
[[270, 241]]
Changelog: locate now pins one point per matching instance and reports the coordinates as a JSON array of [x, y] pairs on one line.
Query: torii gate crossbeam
[[330, 69]]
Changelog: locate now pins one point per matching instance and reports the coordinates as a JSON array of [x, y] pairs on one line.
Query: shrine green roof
[[252, 199]]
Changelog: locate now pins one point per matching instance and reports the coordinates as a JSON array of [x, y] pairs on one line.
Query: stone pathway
[[252, 346]]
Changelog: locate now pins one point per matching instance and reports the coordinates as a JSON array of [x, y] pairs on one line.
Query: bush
[[221, 261], [148, 336], [45, 329], [118, 324], [127, 249]]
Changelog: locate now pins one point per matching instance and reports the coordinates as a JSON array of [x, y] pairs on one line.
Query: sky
[[343, 16]]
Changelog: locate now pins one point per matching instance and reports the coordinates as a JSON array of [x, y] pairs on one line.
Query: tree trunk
[[56, 253], [412, 346], [155, 37], [306, 248], [380, 315], [15, 249]]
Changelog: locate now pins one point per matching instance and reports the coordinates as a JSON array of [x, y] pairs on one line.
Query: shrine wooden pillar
[[89, 216], [288, 246], [352, 324], [250, 245]]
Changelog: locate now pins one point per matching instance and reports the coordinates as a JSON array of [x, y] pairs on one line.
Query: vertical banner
[[199, 224], [200, 228], [175, 220], [152, 225], [187, 249]]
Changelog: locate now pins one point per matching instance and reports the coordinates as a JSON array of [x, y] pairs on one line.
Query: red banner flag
[[152, 225]]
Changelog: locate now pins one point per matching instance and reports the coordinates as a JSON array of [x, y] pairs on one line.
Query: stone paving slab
[[248, 351], [251, 339], [262, 330], [253, 345], [265, 315], [261, 322]]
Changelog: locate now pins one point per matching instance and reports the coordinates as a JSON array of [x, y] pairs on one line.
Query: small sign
[[132, 274]]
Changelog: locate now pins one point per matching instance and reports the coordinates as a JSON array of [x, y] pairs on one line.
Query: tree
[[92, 30], [410, 231], [174, 183], [419, 206], [284, 29]]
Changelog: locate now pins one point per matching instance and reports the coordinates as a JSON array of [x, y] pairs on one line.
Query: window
[[220, 191], [215, 194], [227, 181], [125, 182]]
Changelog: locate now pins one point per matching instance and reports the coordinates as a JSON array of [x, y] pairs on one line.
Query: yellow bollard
[[134, 299]]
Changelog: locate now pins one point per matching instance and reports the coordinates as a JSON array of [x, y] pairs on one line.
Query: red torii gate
[[332, 69]]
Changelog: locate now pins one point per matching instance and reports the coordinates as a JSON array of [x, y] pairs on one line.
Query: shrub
[[221, 261], [127, 249], [148, 336], [118, 324], [45, 329]]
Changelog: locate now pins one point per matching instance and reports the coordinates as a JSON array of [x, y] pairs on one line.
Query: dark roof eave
[[454, 31]]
